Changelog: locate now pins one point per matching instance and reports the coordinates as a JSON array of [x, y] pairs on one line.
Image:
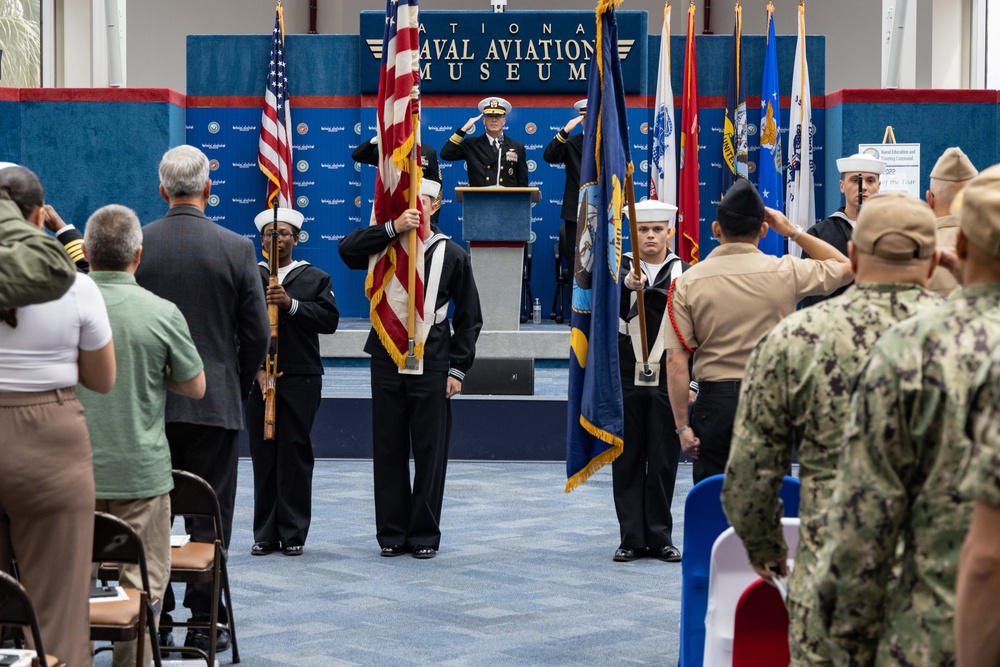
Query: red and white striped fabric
[[387, 285], [274, 152]]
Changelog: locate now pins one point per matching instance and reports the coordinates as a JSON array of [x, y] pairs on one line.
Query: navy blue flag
[[770, 181], [595, 416]]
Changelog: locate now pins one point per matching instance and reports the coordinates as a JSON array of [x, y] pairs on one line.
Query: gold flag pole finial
[[692, 3]]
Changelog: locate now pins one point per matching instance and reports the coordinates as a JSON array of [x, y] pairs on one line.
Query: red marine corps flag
[[274, 151], [395, 276], [688, 203]]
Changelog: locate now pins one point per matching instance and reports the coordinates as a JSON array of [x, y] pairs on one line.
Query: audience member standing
[[211, 274], [33, 266], [283, 467], [722, 306], [950, 174], [154, 352], [904, 449], [797, 393], [568, 150], [47, 485]]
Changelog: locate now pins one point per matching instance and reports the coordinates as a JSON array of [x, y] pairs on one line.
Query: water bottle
[[536, 312]]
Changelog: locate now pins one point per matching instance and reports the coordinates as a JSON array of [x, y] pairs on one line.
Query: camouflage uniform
[[898, 482], [981, 474], [798, 383]]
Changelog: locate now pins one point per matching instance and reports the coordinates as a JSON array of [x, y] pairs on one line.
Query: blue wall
[[331, 118]]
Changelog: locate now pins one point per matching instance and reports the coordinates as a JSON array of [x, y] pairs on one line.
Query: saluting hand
[[407, 220], [572, 123], [52, 220], [777, 221], [276, 295], [469, 123], [948, 259]]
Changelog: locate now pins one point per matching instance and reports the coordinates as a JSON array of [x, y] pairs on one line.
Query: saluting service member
[[69, 236], [950, 174], [905, 448], [211, 274], [492, 159], [858, 173], [414, 410], [367, 153], [568, 150], [643, 475], [721, 307], [283, 467], [796, 394]]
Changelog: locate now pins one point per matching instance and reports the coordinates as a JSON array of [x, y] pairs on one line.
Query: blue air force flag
[[770, 181]]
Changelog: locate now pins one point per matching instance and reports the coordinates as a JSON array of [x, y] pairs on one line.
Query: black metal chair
[[16, 611], [526, 300], [198, 562], [117, 543], [564, 276]]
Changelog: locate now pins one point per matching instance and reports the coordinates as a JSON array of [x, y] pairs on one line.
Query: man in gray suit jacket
[[211, 274]]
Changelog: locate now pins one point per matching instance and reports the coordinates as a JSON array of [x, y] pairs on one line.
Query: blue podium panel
[[496, 214]]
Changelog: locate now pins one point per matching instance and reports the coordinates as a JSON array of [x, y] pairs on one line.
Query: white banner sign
[[902, 171]]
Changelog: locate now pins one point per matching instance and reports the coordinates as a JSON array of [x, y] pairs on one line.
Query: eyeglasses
[[283, 234]]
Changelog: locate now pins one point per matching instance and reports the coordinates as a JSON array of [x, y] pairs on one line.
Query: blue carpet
[[524, 577]]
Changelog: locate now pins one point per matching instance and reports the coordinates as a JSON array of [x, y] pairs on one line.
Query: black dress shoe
[[626, 555], [199, 638], [262, 548], [394, 550], [424, 552], [292, 550], [669, 554]]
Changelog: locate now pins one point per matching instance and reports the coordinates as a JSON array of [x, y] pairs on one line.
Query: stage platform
[[484, 428]]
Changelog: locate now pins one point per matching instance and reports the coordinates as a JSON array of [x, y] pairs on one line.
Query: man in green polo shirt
[[154, 353]]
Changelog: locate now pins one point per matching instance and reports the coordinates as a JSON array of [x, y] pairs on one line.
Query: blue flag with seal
[[595, 415], [770, 181]]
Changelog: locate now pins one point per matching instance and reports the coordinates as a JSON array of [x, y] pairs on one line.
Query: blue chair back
[[704, 521]]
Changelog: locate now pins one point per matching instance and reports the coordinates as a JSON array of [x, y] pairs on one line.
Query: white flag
[[663, 170], [800, 197]]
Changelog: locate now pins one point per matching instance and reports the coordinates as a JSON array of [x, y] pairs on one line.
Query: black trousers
[[643, 475], [211, 452], [712, 418], [409, 411], [283, 468]]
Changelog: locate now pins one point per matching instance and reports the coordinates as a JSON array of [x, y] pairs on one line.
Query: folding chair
[[198, 562], [16, 610], [115, 542], [704, 521], [760, 632]]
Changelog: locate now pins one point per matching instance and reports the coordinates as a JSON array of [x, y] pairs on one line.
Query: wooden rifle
[[271, 365]]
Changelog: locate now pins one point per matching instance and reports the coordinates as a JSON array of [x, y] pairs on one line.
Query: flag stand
[[889, 137]]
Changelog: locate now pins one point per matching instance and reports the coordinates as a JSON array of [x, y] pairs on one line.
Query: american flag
[[274, 152], [387, 286]]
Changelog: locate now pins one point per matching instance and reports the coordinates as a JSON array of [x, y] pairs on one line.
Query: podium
[[496, 223]]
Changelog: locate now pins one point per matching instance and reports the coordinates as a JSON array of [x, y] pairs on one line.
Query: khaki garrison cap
[[979, 217], [954, 166], [897, 227]]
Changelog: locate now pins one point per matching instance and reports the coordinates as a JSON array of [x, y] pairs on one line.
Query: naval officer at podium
[[492, 159]]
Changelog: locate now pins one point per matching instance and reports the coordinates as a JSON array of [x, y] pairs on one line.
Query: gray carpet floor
[[524, 577]]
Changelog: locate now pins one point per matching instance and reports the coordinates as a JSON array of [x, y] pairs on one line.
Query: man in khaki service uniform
[[721, 307], [950, 174], [796, 392], [905, 447]]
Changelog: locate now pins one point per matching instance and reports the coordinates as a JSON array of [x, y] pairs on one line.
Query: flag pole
[[639, 297], [411, 283]]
